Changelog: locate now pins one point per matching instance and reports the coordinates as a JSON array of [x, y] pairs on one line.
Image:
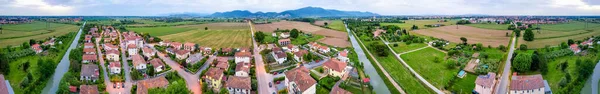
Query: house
[[194, 58], [176, 45], [244, 49], [284, 42], [527, 84], [324, 49], [484, 84], [148, 52], [299, 81], [138, 62], [238, 85], [49, 42], [292, 48], [5, 87], [132, 49], [242, 57], [226, 51], [91, 51], [299, 55], [575, 48], [88, 45], [164, 43], [171, 50], [338, 90], [87, 40], [223, 65], [378, 32], [242, 69], [334, 67], [182, 54], [207, 50], [88, 89], [108, 46], [213, 78], [37, 48], [157, 64], [189, 46], [115, 67], [89, 72], [157, 82], [343, 56], [112, 55], [279, 55], [313, 45], [89, 58], [284, 35]]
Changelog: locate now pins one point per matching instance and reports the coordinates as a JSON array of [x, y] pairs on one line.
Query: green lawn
[[34, 26], [464, 85], [554, 74], [490, 26], [304, 39], [420, 23], [402, 47], [422, 62], [17, 34], [337, 25], [159, 31]]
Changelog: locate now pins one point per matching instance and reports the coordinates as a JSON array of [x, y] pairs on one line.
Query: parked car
[[114, 85], [270, 84]]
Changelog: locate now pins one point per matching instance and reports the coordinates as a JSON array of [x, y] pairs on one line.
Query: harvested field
[[420, 23], [333, 37], [494, 38], [218, 35], [322, 23], [554, 34], [17, 34]]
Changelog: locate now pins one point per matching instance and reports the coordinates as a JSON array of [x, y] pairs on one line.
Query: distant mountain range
[[302, 12]]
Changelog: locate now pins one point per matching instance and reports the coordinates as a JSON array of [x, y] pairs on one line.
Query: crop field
[[420, 23], [17, 34], [333, 24], [493, 38], [218, 35], [147, 22], [557, 33], [491, 26], [160, 31], [332, 37], [422, 61]]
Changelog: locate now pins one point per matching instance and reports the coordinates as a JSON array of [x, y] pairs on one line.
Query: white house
[[132, 49], [324, 49], [299, 55], [148, 52], [115, 67], [284, 35], [242, 56], [298, 81], [242, 69], [157, 64], [238, 85], [529, 84], [343, 56], [335, 68], [279, 55], [89, 72], [138, 62], [112, 55], [182, 54]]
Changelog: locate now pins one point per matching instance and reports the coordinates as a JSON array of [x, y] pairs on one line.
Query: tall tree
[[464, 40], [528, 35], [259, 36], [294, 33], [4, 67], [517, 32], [522, 62]]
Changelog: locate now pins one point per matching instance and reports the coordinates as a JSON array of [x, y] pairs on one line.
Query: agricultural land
[[19, 33], [332, 37]]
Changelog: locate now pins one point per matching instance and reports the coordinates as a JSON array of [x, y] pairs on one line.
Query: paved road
[[190, 79], [63, 66], [312, 65], [206, 64], [125, 64], [262, 76], [376, 81], [504, 80]]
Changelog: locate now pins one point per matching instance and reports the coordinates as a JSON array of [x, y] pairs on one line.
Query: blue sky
[[384, 7]]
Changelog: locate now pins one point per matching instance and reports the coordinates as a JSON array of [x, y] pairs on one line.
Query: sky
[[383, 7]]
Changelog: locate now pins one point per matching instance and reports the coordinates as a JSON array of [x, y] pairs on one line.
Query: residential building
[[279, 55], [324, 49], [108, 46], [88, 45], [176, 45], [284, 35], [182, 54], [88, 89], [132, 49], [226, 51], [115, 67], [157, 64], [112, 55], [37, 48], [284, 42], [91, 51], [299, 55], [343, 56], [242, 69], [194, 58], [164, 43], [213, 78], [189, 46], [5, 87], [49, 42], [89, 72], [292, 48], [87, 58], [238, 85], [299, 81], [527, 84], [242, 57], [484, 84], [575, 48], [223, 65], [157, 82], [138, 62], [335, 68], [148, 52]]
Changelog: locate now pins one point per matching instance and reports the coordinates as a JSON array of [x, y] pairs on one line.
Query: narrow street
[[262, 76], [190, 79], [62, 68], [125, 65], [504, 80]]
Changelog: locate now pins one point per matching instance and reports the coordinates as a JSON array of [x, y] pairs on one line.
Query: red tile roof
[[239, 82], [86, 50], [3, 87], [222, 65], [528, 82], [137, 60], [88, 89], [243, 54], [131, 46], [334, 64], [189, 44], [112, 52], [88, 44], [301, 77], [486, 80], [182, 52], [72, 89], [115, 64], [338, 90], [214, 73], [147, 50], [156, 82], [242, 67], [301, 53], [222, 59], [344, 53], [156, 62], [89, 57]]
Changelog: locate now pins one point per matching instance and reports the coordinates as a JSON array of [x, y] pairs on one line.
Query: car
[[122, 85], [270, 84], [118, 85], [114, 85]]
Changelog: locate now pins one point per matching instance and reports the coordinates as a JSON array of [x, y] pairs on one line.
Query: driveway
[[62, 68], [190, 79]]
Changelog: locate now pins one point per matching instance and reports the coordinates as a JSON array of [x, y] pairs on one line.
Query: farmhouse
[[194, 58], [226, 50], [158, 82], [291, 47], [164, 43], [284, 42], [298, 81], [148, 52], [378, 32], [529, 84], [112, 55], [49, 42], [182, 54], [324, 49], [88, 89], [242, 70], [343, 56], [157, 64], [213, 78], [88, 45], [242, 57], [299, 55], [89, 72], [335, 68], [89, 58], [238, 85], [37, 48], [189, 46], [90, 51], [138, 62], [115, 67], [575, 48], [279, 55], [484, 84]]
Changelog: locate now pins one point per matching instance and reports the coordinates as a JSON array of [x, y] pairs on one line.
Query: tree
[[205, 28], [584, 68], [570, 41], [522, 62], [25, 45], [415, 27], [259, 36], [528, 35], [464, 40], [478, 47], [507, 34], [517, 32], [294, 33], [45, 68], [4, 66], [379, 49], [151, 70], [522, 47], [326, 23]]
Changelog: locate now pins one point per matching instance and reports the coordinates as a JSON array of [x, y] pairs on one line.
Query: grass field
[[17, 34], [567, 27], [402, 47], [473, 35], [160, 31], [464, 85], [218, 35], [554, 74], [436, 73], [557, 33], [332, 37], [303, 39], [420, 23], [490, 26], [333, 24]]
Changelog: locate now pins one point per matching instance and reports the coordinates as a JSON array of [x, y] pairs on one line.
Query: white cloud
[[37, 7]]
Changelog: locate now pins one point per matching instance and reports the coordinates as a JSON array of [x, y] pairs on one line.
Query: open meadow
[[333, 24], [420, 23], [423, 62], [17, 34], [218, 35], [493, 38], [332, 37], [554, 34], [490, 26]]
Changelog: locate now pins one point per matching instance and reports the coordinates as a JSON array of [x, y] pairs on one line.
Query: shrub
[[437, 60]]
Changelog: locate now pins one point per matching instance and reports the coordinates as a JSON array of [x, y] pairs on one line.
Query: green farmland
[[17, 34], [423, 62], [420, 23]]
